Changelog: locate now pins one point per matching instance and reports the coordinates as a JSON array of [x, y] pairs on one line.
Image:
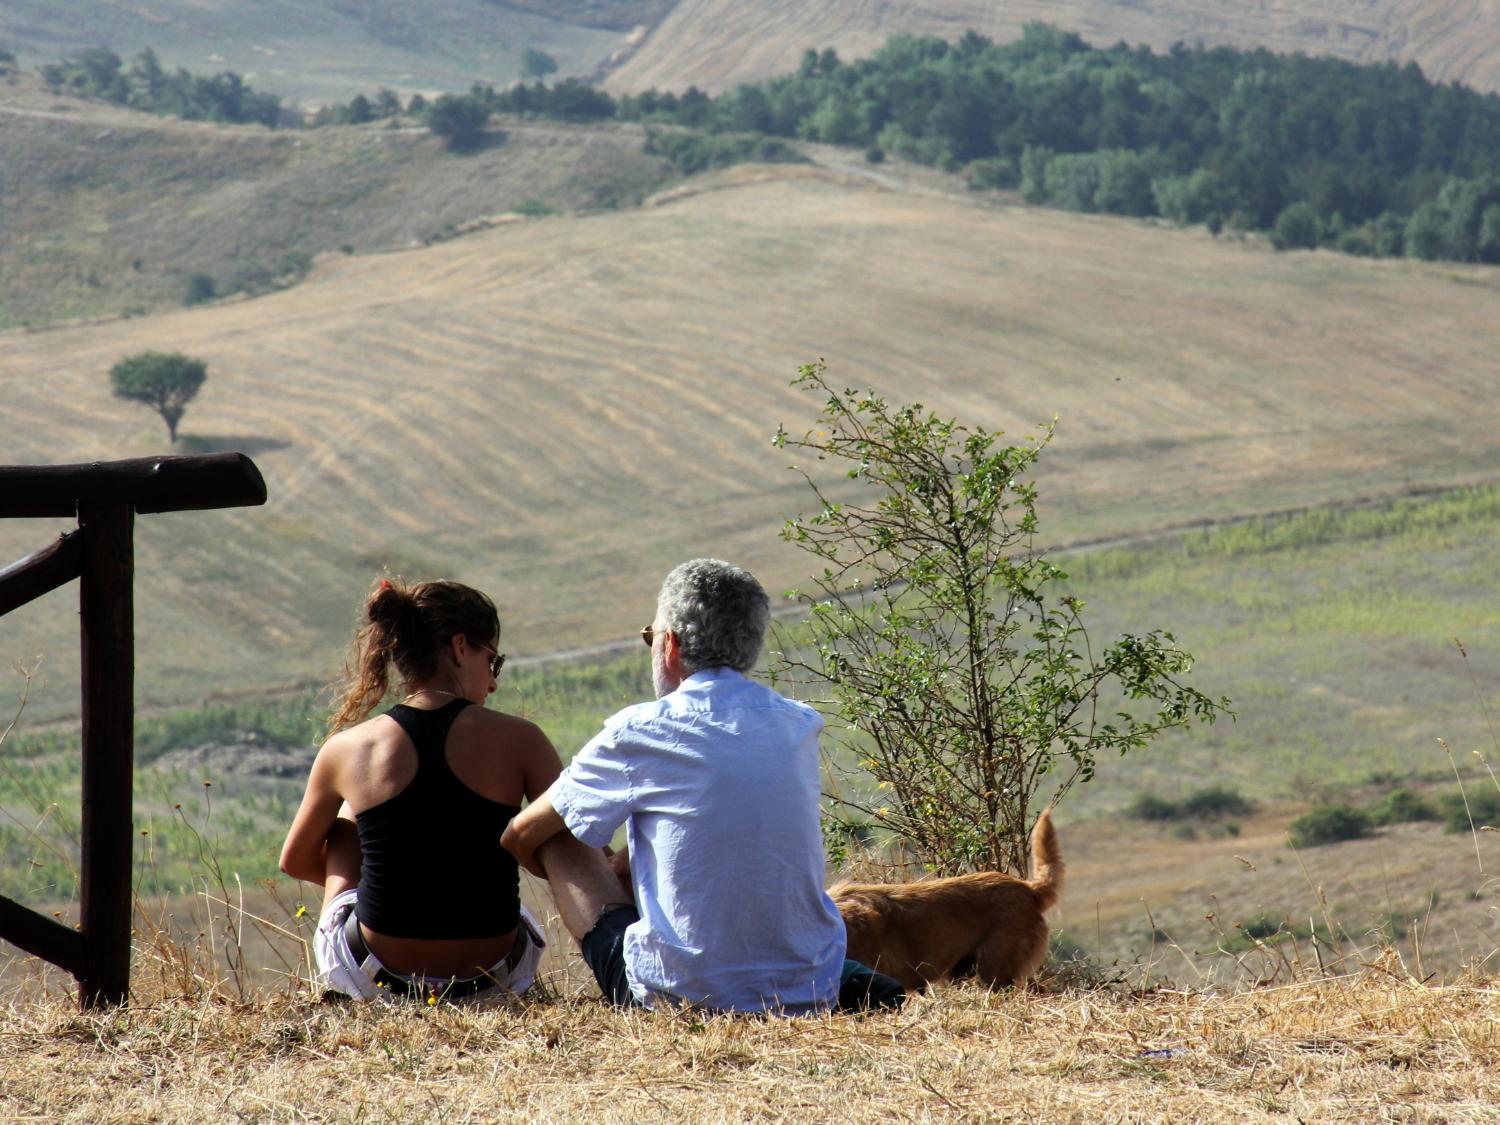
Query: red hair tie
[[384, 585]]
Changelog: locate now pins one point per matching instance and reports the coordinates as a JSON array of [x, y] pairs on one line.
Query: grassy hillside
[[318, 51], [108, 211], [715, 44], [558, 410]]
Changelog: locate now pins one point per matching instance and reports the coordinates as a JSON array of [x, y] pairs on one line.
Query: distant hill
[[715, 44], [107, 210], [558, 410], [318, 51]]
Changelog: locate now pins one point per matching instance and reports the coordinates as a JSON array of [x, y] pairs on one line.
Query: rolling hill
[[106, 210], [322, 50], [715, 44], [558, 410]]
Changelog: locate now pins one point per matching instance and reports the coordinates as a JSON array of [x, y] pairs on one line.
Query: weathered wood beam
[[41, 936], [107, 632], [146, 484], [41, 573]]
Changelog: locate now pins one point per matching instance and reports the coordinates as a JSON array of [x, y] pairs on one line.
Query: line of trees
[[146, 85], [1371, 160]]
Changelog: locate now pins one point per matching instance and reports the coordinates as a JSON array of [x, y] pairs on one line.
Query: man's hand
[[619, 863]]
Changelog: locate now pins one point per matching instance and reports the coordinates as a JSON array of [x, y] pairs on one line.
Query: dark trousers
[[861, 989]]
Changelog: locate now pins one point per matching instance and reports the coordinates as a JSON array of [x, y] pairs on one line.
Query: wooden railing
[[104, 497]]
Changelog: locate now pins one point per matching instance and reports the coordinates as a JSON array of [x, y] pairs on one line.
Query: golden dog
[[987, 923]]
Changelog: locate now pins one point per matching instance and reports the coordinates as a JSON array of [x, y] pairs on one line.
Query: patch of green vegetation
[[1213, 803], [1402, 806], [1477, 808], [1333, 631], [1330, 825], [1266, 930], [692, 153]]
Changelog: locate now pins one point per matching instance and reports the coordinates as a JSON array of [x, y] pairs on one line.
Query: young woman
[[403, 813]]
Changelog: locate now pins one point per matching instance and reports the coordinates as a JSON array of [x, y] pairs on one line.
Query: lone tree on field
[[164, 381], [965, 681]]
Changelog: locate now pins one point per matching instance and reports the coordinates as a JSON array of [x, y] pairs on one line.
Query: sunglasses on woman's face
[[497, 660]]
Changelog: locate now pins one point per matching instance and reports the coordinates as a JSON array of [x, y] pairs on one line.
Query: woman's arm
[[532, 827], [303, 854]]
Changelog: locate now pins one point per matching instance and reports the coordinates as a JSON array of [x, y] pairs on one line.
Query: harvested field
[[558, 410]]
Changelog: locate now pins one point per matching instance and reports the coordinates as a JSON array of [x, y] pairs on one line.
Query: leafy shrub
[[1298, 227], [200, 288], [995, 172], [1217, 801], [1329, 825], [1402, 806], [1148, 806], [1483, 807], [962, 705], [1206, 804], [534, 209], [691, 153]]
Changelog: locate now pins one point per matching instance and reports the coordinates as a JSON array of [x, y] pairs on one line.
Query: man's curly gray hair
[[718, 613]]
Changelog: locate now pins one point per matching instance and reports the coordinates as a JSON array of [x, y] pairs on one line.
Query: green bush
[[1402, 806], [1148, 806], [1298, 227], [1329, 825], [1207, 804], [1483, 807], [1217, 801], [200, 288], [691, 153]]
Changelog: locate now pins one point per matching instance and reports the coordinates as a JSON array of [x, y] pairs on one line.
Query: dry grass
[[109, 211], [559, 410], [1153, 904], [716, 44], [1374, 1046]]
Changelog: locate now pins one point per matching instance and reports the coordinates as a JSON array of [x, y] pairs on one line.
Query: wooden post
[[107, 635], [105, 497]]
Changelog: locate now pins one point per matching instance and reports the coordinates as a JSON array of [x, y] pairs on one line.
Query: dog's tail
[[1047, 866]]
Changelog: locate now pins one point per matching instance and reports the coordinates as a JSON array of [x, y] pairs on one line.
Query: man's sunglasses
[[648, 634]]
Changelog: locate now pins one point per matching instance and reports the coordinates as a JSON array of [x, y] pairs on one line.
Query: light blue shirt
[[718, 786]]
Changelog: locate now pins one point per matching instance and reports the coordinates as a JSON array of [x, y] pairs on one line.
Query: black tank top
[[432, 865]]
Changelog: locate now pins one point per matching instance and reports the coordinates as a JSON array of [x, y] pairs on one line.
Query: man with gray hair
[[717, 785]]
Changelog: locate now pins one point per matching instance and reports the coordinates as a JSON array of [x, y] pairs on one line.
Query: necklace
[[431, 691]]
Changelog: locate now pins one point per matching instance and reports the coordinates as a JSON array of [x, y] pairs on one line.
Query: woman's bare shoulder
[[501, 724], [359, 739]]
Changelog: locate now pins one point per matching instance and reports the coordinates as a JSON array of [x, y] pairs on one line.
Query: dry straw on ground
[[1375, 1046]]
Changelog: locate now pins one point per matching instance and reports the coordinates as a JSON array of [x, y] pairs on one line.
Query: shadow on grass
[[228, 443]]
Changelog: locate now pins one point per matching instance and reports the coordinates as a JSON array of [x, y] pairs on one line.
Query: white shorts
[[339, 970]]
